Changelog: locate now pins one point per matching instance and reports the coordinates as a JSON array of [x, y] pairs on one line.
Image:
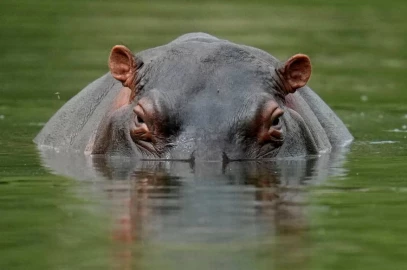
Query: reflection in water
[[206, 214]]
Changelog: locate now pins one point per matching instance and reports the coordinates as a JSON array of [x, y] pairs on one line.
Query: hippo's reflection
[[180, 202]]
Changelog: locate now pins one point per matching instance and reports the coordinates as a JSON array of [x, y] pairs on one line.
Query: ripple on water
[[383, 142]]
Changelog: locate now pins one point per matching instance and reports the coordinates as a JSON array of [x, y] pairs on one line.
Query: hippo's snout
[[202, 147]]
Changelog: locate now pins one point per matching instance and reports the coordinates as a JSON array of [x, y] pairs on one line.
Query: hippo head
[[202, 101]]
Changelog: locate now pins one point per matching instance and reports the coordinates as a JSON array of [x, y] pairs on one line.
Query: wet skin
[[198, 98]]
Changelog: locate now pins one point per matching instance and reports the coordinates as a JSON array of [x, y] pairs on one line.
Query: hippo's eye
[[139, 120], [270, 130], [275, 118], [140, 130], [139, 116]]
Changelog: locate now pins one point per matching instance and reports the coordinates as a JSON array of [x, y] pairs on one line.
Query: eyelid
[[139, 110], [277, 113]]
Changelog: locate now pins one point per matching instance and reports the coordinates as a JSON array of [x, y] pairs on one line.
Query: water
[[339, 211]]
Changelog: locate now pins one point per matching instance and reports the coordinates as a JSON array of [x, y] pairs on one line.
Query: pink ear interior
[[297, 71], [121, 63]]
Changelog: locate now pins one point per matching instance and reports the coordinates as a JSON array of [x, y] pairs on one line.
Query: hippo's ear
[[123, 65], [295, 72]]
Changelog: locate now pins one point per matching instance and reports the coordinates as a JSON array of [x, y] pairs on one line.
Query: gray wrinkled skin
[[206, 92]]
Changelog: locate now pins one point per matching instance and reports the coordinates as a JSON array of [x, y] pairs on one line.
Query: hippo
[[198, 98]]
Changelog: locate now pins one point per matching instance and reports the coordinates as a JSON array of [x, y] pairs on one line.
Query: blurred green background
[[49, 50]]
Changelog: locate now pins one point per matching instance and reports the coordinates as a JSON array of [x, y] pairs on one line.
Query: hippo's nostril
[[225, 158], [192, 156], [205, 153]]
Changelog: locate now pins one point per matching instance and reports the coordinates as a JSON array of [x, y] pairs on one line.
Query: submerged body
[[198, 97]]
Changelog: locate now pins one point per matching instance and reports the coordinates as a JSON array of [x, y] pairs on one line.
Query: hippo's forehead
[[207, 82], [199, 66]]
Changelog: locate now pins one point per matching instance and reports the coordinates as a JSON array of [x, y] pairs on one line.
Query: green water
[[176, 217]]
